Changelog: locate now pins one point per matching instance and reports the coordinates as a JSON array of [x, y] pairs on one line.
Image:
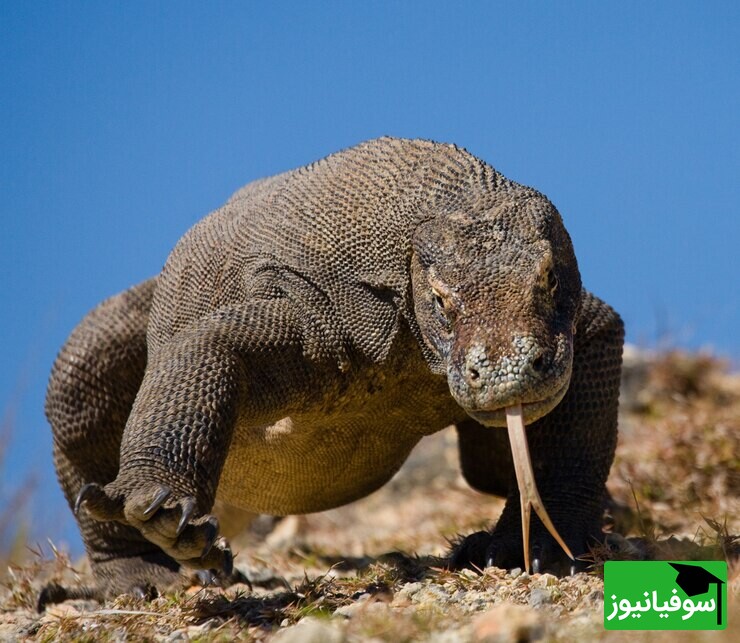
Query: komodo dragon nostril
[[539, 363], [475, 365], [473, 373]]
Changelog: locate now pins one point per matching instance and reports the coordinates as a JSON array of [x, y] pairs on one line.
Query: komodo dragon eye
[[440, 306], [439, 302], [549, 280]]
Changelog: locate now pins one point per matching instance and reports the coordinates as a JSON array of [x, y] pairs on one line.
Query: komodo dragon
[[301, 340]]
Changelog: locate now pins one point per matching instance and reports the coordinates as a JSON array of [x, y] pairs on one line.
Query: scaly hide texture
[[301, 340]]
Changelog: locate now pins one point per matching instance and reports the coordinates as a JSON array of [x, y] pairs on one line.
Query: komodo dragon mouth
[[531, 411], [529, 496]]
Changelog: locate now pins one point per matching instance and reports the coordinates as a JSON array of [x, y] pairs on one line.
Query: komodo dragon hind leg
[[91, 391], [582, 429]]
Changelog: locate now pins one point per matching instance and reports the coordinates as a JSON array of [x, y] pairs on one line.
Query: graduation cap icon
[[695, 580]]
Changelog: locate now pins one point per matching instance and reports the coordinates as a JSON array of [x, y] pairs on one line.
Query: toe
[[470, 552], [50, 595], [100, 503], [188, 506], [145, 503], [168, 522], [213, 577], [192, 543], [219, 559], [160, 495], [145, 592]]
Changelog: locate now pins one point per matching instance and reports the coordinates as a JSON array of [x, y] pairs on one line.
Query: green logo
[[658, 595]]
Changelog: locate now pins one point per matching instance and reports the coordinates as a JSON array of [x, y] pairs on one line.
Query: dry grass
[[13, 504], [330, 577]]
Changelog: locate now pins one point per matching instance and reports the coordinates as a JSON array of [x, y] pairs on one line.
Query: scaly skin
[[302, 339]]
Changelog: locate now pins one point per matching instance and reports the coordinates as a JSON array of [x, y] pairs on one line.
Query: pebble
[[546, 580], [507, 623], [309, 630], [367, 607], [540, 597], [596, 597], [407, 591], [430, 594]]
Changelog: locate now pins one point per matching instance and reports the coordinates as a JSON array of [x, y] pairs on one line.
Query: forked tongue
[[529, 497]]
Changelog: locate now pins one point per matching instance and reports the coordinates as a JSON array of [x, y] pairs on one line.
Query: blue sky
[[124, 123]]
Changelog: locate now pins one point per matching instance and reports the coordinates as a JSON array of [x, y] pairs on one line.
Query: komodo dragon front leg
[[178, 433], [93, 385], [572, 449]]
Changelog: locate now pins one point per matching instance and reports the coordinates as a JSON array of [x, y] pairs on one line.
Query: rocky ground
[[372, 571]]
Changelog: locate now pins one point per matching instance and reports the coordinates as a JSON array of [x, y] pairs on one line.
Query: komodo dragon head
[[496, 295]]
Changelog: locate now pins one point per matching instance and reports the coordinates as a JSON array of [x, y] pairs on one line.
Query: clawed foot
[[173, 524], [485, 549], [143, 577]]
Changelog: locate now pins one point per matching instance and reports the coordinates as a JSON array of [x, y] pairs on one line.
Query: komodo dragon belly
[[296, 466], [324, 458]]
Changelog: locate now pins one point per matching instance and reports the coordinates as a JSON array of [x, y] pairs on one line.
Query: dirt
[[373, 570]]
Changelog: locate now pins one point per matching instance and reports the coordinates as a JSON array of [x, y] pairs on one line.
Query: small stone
[[596, 597], [357, 606], [515, 572], [540, 597], [477, 603], [404, 595], [177, 636], [457, 596], [546, 580], [309, 630], [430, 594], [507, 622], [367, 607], [348, 611], [446, 636], [62, 610], [468, 573]]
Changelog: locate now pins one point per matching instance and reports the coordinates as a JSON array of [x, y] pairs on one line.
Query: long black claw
[[54, 593], [211, 533], [205, 577], [50, 595], [572, 570], [238, 577], [188, 509], [83, 495], [144, 592], [228, 557], [536, 559], [489, 561], [161, 495]]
